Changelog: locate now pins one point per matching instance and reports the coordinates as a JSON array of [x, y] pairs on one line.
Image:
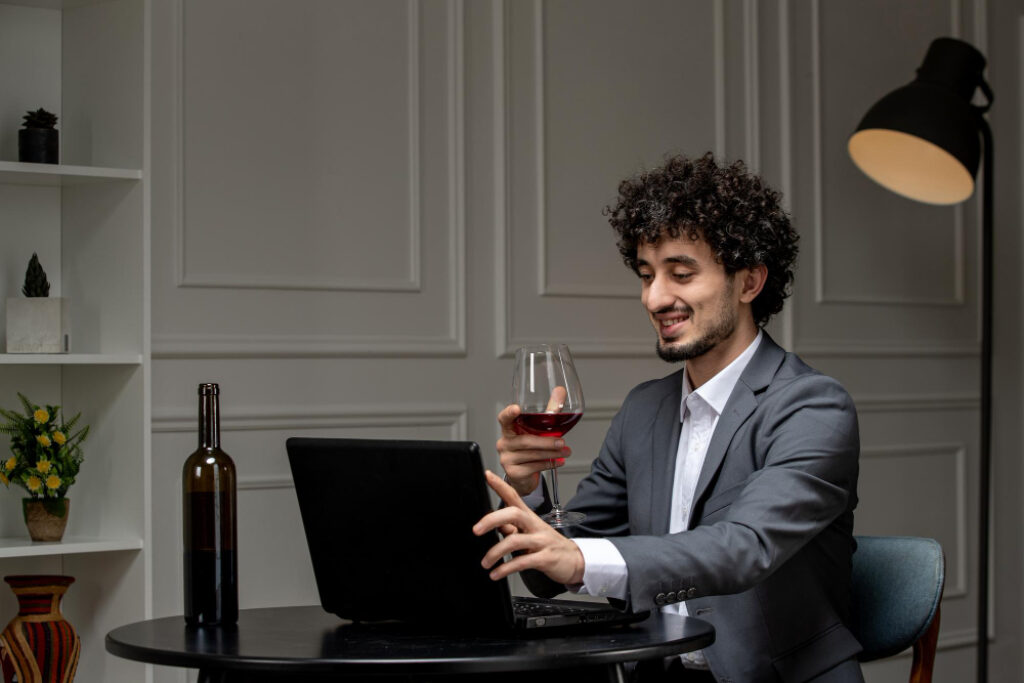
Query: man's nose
[[658, 295]]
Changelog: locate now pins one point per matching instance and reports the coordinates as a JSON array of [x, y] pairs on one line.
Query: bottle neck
[[209, 421]]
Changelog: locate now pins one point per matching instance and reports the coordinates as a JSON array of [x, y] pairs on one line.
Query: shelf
[[70, 359], [51, 4], [23, 547], [55, 175]]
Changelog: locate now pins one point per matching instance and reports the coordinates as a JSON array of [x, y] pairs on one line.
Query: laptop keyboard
[[528, 608]]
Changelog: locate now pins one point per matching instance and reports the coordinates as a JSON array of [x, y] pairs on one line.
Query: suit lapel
[[664, 443], [742, 402]]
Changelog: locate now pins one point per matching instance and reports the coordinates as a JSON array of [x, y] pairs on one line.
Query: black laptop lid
[[389, 528]]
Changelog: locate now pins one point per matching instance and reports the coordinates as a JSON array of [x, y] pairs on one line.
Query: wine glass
[[548, 392]]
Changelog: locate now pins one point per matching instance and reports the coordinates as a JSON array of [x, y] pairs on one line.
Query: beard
[[719, 329]]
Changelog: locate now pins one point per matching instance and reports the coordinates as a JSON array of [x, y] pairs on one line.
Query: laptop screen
[[389, 528]]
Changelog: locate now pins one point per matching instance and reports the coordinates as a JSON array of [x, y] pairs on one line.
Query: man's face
[[690, 299]]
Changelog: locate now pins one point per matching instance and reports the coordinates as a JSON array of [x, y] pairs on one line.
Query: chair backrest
[[897, 586]]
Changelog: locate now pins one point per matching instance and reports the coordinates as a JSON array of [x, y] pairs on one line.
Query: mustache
[[685, 310]]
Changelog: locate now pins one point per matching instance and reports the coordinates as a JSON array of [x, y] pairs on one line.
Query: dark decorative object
[[209, 523], [36, 283], [39, 141], [924, 141], [39, 645], [36, 323]]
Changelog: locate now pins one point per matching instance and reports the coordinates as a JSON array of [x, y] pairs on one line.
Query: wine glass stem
[[556, 506]]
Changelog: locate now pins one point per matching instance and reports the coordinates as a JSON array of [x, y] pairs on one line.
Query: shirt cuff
[[604, 569]]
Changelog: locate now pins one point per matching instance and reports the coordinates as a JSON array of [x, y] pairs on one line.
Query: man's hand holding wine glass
[[523, 455], [547, 401]]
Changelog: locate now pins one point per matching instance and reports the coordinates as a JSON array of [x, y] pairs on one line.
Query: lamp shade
[[922, 140]]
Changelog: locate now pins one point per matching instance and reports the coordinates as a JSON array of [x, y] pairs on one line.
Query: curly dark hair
[[731, 209]]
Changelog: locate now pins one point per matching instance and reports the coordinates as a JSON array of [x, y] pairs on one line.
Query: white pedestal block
[[38, 325]]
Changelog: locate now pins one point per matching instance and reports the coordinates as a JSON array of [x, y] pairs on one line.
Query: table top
[[308, 639]]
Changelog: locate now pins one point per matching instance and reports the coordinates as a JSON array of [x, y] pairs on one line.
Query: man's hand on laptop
[[524, 456], [539, 545]]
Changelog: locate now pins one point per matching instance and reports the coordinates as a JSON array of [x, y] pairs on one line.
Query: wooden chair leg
[[924, 652]]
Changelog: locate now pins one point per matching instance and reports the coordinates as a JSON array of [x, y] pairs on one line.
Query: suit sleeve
[[806, 432]]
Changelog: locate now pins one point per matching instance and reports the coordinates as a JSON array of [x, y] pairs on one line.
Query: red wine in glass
[[548, 392], [548, 424]]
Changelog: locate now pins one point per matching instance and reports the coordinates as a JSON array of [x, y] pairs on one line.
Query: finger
[[507, 418], [507, 515], [509, 545], [531, 461], [557, 400], [523, 448], [516, 564], [507, 494], [508, 529]]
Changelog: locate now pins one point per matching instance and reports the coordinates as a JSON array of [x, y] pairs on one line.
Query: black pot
[[39, 145]]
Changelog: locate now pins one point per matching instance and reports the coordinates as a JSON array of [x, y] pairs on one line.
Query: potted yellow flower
[[46, 456]]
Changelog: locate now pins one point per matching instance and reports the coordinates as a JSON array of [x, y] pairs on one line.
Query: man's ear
[[752, 281]]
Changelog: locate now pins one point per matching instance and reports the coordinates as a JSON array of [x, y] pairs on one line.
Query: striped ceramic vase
[[39, 645]]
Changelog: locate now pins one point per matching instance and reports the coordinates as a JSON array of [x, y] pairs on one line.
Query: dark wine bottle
[[210, 526]]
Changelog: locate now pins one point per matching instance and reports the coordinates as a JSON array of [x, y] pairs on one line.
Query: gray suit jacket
[[767, 556]]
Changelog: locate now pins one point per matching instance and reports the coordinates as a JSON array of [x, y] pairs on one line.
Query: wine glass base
[[560, 519]]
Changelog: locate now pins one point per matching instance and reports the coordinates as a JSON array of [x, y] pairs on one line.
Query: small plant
[[40, 118], [46, 455], [36, 284]]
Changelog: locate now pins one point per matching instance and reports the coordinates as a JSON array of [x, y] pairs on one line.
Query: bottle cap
[[209, 389]]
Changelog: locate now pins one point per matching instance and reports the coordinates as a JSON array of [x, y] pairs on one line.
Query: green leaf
[[29, 406]]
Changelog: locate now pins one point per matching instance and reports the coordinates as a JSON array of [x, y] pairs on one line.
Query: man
[[726, 490]]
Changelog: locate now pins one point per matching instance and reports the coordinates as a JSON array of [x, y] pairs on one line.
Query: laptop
[[389, 528]]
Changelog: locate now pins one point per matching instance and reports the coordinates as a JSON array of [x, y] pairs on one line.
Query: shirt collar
[[716, 391]]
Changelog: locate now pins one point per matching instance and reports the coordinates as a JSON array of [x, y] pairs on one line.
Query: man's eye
[[682, 276], [645, 277]]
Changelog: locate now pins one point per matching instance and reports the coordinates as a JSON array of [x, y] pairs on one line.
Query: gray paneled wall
[[361, 208]]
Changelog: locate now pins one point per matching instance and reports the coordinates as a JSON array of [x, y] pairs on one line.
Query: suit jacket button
[[659, 599], [670, 597], [691, 592]]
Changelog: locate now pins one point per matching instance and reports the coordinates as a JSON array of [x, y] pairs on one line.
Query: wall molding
[[410, 282], [752, 83], [273, 418], [914, 403], [297, 419], [544, 288], [930, 450], [600, 290], [507, 339], [821, 295], [827, 349], [451, 343], [197, 345]]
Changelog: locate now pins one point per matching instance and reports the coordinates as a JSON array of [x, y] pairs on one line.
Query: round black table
[[306, 643]]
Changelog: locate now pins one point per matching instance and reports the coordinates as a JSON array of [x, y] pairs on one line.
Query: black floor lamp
[[922, 141]]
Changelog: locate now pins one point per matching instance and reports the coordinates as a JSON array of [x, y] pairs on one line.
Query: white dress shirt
[[605, 573]]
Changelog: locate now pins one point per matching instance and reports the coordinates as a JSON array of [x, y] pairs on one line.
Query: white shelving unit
[[88, 220], [70, 545], [54, 175], [71, 359]]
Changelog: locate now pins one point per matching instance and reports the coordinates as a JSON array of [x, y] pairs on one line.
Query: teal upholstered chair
[[897, 586]]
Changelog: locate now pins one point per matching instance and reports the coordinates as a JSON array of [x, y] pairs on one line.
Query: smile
[[670, 327]]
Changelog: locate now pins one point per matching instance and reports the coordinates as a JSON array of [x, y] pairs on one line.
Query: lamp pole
[[985, 466]]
